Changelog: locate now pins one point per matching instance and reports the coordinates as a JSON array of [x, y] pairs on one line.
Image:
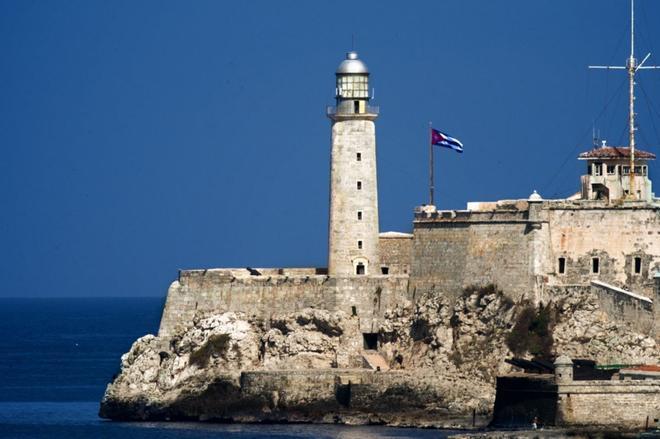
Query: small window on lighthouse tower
[[359, 185], [358, 157], [359, 215], [360, 244]]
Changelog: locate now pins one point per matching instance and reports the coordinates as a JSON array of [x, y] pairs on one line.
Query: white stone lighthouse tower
[[353, 235]]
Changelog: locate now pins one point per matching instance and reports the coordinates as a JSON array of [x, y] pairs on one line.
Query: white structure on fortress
[[353, 225]]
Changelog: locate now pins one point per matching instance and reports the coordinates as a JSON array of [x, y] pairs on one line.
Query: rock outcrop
[[307, 366]]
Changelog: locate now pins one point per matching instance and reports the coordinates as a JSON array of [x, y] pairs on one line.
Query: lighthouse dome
[[352, 64]]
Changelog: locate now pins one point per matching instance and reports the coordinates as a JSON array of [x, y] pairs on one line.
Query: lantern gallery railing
[[331, 110]]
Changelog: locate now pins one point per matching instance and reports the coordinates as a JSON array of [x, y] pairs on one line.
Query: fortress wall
[[620, 404], [328, 392], [626, 308], [396, 253], [615, 235], [216, 291], [618, 306], [450, 255], [370, 296]]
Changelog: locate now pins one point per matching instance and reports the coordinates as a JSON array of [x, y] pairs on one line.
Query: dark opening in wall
[[595, 265], [353, 310], [359, 268], [385, 270], [358, 157], [359, 185], [562, 266], [356, 106], [638, 265], [370, 340], [360, 244], [359, 216]]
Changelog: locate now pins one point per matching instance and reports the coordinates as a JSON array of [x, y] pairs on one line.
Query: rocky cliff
[[443, 356]]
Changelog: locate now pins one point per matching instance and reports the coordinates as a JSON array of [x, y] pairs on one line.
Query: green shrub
[[532, 331], [216, 345]]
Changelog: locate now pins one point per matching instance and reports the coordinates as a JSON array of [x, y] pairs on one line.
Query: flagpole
[[431, 182]]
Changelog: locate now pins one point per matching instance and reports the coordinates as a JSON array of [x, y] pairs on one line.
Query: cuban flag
[[442, 139]]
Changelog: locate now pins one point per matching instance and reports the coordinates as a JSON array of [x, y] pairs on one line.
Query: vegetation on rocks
[[532, 331], [216, 345]]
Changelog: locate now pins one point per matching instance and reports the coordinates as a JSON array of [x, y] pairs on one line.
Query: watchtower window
[[359, 185], [598, 169], [358, 157], [356, 107], [360, 245], [638, 265], [359, 215], [562, 266], [595, 265], [359, 268]]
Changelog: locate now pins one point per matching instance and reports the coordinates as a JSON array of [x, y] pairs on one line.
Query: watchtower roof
[[615, 153]]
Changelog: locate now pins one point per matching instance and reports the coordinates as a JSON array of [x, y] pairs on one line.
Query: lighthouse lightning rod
[[632, 67]]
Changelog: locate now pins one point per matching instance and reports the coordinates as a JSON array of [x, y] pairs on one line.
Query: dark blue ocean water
[[57, 355]]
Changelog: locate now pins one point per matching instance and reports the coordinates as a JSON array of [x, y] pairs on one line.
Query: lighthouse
[[353, 225]]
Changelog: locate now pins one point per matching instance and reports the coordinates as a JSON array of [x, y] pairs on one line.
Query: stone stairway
[[374, 361]]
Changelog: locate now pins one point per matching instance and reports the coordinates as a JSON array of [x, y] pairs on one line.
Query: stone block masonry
[[525, 246], [204, 292], [626, 405], [621, 404], [453, 253]]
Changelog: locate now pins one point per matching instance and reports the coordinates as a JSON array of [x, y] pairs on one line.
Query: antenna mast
[[632, 67]]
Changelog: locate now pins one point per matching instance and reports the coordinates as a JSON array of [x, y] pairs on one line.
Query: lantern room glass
[[353, 86]]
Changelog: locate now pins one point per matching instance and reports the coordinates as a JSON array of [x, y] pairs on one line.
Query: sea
[[58, 354]]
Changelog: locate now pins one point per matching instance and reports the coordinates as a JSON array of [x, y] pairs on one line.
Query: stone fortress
[[394, 330], [594, 240]]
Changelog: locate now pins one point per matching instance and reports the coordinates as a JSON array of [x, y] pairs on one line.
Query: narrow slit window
[[562, 266], [638, 265], [595, 265], [359, 185], [359, 215], [358, 157], [360, 244]]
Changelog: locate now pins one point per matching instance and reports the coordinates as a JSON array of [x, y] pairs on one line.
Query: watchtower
[[353, 226]]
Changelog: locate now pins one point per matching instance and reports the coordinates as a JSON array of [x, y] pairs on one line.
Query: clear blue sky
[[140, 137]]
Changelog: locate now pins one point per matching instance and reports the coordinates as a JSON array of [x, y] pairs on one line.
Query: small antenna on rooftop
[[632, 66], [594, 138]]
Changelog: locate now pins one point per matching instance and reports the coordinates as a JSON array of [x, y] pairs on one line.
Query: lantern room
[[352, 86]]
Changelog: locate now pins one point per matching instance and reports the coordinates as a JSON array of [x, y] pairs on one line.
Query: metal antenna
[[632, 67]]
